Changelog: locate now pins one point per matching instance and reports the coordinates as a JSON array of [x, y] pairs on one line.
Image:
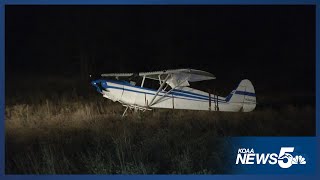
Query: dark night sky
[[274, 46]]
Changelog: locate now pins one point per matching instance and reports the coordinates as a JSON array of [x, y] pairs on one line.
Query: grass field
[[87, 135], [54, 126]]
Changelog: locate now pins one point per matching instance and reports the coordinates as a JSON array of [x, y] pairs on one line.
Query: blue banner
[[272, 155]]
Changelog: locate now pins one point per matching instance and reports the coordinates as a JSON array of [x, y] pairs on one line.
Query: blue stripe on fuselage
[[239, 93], [104, 85], [196, 99], [138, 87], [245, 93]]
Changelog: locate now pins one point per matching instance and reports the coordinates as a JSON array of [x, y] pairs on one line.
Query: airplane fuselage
[[179, 98]]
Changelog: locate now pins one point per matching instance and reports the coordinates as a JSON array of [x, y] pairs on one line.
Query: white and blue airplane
[[173, 92]]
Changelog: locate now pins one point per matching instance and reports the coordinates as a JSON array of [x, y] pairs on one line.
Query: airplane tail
[[243, 95]]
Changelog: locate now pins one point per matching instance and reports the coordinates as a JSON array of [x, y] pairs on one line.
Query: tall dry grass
[[76, 135]]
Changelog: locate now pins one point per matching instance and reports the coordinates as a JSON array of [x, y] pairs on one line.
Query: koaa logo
[[284, 159]]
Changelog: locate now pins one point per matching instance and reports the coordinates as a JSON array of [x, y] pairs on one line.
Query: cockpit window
[[132, 83]]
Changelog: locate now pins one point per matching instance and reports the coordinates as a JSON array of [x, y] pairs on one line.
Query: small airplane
[[173, 92]]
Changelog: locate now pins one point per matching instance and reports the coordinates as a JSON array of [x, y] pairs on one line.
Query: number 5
[[284, 154]]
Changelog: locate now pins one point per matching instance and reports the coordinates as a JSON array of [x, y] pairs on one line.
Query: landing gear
[[124, 113], [135, 108]]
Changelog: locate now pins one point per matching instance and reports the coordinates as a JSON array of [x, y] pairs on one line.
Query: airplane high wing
[[193, 74], [174, 77]]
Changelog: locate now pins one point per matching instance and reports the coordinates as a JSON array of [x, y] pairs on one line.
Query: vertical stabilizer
[[245, 95]]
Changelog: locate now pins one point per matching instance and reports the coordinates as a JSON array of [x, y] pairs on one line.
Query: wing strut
[[161, 86], [142, 83], [168, 92]]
